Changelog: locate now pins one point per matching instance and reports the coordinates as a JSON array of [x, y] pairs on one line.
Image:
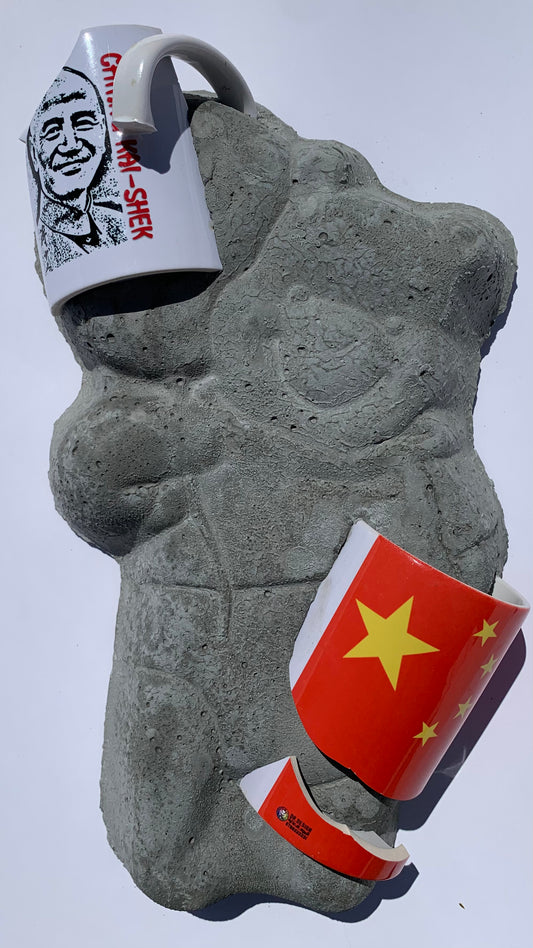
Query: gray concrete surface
[[228, 431]]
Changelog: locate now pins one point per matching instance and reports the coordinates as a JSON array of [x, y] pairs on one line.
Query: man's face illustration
[[68, 138]]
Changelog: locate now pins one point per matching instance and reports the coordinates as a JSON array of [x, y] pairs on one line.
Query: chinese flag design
[[278, 793], [393, 672]]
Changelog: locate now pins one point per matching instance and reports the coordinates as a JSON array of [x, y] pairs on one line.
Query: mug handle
[[133, 79]]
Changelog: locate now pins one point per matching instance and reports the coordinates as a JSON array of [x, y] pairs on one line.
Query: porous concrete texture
[[229, 430]]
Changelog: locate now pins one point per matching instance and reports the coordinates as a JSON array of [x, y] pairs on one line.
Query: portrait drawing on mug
[[78, 207]]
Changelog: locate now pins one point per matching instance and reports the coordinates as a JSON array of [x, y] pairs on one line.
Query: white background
[[436, 94]]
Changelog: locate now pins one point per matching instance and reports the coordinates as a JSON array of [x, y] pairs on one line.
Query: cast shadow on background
[[235, 905], [498, 324], [413, 813]]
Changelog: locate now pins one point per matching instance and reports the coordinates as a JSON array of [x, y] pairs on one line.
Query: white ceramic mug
[[109, 204]]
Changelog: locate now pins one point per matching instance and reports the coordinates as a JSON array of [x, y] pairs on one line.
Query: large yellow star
[[426, 732], [487, 632], [388, 639]]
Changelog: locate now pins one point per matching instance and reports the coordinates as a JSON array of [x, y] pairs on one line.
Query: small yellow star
[[487, 632], [388, 639], [464, 708], [487, 668], [426, 732]]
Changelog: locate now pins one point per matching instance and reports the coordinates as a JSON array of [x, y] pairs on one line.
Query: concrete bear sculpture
[[229, 430]]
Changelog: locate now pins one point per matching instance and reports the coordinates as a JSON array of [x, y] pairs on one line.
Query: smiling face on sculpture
[[233, 429]]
